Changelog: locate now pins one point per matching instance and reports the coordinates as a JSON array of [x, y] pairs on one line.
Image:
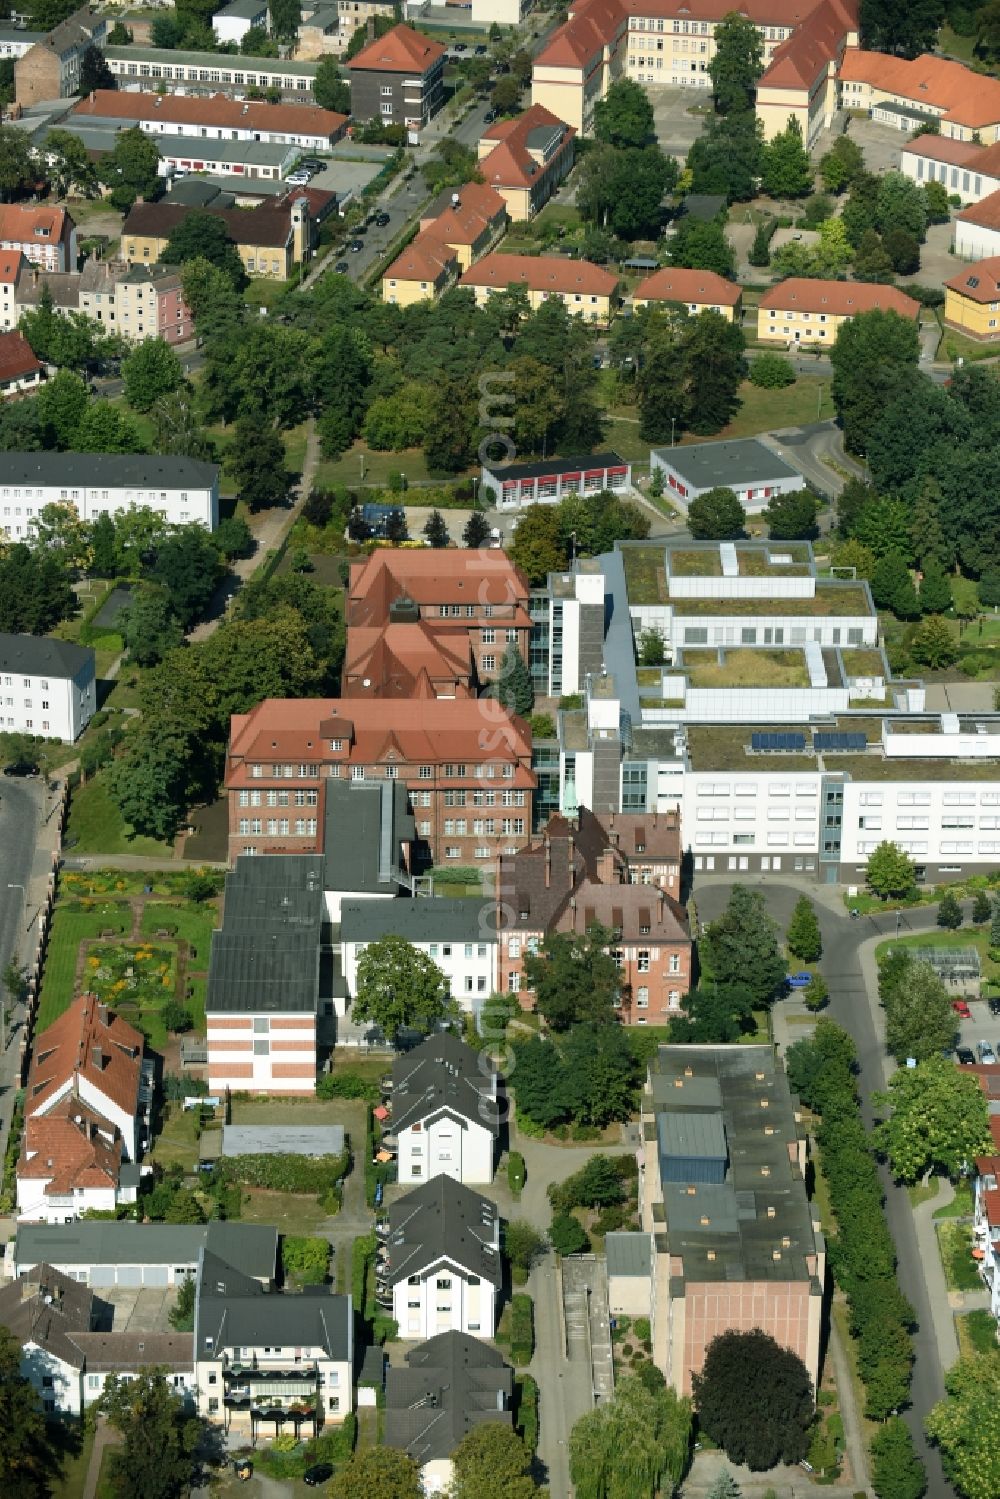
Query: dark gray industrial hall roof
[[41, 655], [82, 470]]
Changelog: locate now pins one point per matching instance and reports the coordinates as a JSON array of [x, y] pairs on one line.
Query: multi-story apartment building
[[986, 1225], [466, 764], [150, 69], [270, 239], [20, 370], [663, 43], [443, 1260], [47, 686], [622, 873], [457, 229], [328, 25], [50, 69], [45, 236], [801, 310], [696, 291], [972, 300], [729, 1240], [585, 290], [444, 1112], [526, 158], [179, 489], [398, 79], [144, 301], [463, 596], [456, 934]]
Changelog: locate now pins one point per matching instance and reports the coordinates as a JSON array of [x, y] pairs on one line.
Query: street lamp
[[673, 423]]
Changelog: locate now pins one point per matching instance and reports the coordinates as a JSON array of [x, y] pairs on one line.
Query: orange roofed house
[[19, 368], [469, 600], [398, 79], [525, 159], [466, 765], [697, 291], [586, 290], [801, 310], [907, 93], [86, 1115], [46, 236], [620, 871], [972, 299]]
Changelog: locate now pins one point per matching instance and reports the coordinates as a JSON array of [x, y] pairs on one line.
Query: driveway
[[855, 1007], [817, 451]]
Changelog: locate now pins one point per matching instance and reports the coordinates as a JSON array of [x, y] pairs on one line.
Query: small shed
[[958, 968], [282, 1139], [630, 1270]]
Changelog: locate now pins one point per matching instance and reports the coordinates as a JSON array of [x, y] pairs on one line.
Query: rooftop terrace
[[746, 668]]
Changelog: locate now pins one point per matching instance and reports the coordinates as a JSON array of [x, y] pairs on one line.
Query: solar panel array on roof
[[763, 743], [833, 740]]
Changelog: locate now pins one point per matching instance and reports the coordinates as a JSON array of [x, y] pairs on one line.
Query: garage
[[129, 1275], [102, 1276], [154, 1276]]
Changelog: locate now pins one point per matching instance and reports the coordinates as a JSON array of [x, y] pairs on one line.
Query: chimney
[[654, 817], [97, 1057], [102, 1014], [93, 97]]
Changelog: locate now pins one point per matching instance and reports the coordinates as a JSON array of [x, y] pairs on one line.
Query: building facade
[[451, 932], [19, 369], [50, 69], [147, 69], [48, 686], [444, 1113], [45, 236], [972, 300], [800, 310], [747, 466], [514, 485], [585, 290], [525, 159], [180, 489], [696, 291], [269, 239], [398, 79], [305, 127], [442, 1259]]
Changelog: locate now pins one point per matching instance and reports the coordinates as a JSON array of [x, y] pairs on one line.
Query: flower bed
[[128, 977]]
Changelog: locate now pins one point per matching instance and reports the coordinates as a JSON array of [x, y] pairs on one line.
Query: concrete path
[[854, 1441], [104, 1437], [565, 1389]]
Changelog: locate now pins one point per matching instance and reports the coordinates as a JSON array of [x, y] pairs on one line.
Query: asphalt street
[[850, 1006], [19, 808]]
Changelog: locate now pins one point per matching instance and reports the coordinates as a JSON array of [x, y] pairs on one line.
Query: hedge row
[[522, 1328], [861, 1251], [526, 1417]]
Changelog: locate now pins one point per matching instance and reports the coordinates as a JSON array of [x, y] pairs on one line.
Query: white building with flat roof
[[179, 489]]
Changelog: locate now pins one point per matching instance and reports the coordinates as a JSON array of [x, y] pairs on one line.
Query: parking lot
[[982, 1027]]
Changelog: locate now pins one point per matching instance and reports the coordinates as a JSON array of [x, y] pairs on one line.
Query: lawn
[[966, 936], [746, 668], [957, 346], [177, 1140], [359, 465], [72, 924], [924, 1191], [290, 1212], [76, 1443], [97, 826], [195, 924], [977, 1333], [955, 1244], [960, 1206]]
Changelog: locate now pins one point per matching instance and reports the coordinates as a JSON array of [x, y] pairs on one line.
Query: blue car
[[798, 980]]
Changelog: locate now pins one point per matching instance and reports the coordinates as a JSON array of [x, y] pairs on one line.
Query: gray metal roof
[[42, 655], [629, 1254], [454, 1383], [432, 919], [691, 1135], [742, 460], [136, 470], [443, 1221], [251, 1248], [234, 1311], [282, 1139], [211, 61], [249, 10], [365, 825]]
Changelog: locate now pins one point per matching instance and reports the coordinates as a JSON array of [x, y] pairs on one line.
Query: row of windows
[[483, 827], [484, 798], [455, 850], [753, 788], [279, 798], [276, 827], [746, 840]]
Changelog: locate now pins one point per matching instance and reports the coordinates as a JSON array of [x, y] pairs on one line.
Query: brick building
[[51, 68], [466, 764], [398, 79], [621, 871], [476, 598]]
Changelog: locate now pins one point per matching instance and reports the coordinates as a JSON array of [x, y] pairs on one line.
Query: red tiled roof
[[391, 659], [216, 110], [69, 1150], [87, 1041], [10, 265], [401, 50], [459, 575], [979, 282], [16, 357], [943, 148], [541, 273], [18, 224], [985, 213], [842, 298], [510, 163], [935, 83], [676, 284], [463, 222], [810, 49], [425, 258]]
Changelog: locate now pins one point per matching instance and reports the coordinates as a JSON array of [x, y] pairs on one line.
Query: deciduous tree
[[741, 946], [150, 372], [156, 1456], [132, 169], [204, 236], [624, 117], [257, 463], [803, 937], [939, 1120], [377, 1472], [963, 1425], [330, 89], [785, 166], [736, 65], [889, 871], [792, 516], [633, 1446], [897, 1472], [399, 986], [755, 1399], [492, 1460], [934, 643], [716, 515], [574, 978], [149, 626], [23, 1454], [919, 1020]]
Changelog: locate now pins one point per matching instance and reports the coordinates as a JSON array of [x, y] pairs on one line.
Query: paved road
[[817, 451], [565, 1389], [20, 805], [852, 1006]]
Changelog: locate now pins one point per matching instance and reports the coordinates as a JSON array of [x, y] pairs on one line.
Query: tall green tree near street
[[62, 402], [476, 531], [933, 643], [587, 1077], [792, 516], [633, 1446], [726, 157], [874, 359], [963, 1425], [150, 372], [330, 89], [938, 1120], [512, 686], [522, 1243], [178, 429], [897, 1472], [18, 169], [23, 1443], [982, 908], [377, 1472], [399, 986], [702, 246], [714, 367], [622, 189], [156, 1456], [574, 978], [436, 530], [716, 515], [736, 65], [132, 169], [451, 431], [786, 170], [106, 428], [257, 463], [662, 403], [841, 164], [803, 936], [900, 204], [889, 871], [755, 1399], [35, 590], [919, 1020], [69, 165], [741, 946], [94, 72], [492, 1460], [149, 626], [187, 565], [949, 912], [715, 1014], [538, 547], [624, 117]]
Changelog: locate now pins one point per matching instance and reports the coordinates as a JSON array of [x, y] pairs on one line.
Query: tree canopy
[[398, 985], [633, 1446], [939, 1119], [574, 978], [755, 1399], [741, 946], [963, 1425], [157, 1452]]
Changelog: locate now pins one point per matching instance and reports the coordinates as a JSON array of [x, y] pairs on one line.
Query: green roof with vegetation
[[746, 668]]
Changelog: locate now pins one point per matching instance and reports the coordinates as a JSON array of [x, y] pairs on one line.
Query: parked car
[[481, 50], [342, 267], [311, 164], [381, 220], [356, 246], [986, 1053], [961, 1008], [317, 1474], [994, 1004], [19, 769], [799, 980], [298, 179], [489, 117], [966, 1056]]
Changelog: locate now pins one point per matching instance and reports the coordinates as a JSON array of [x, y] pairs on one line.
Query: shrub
[[515, 1172], [346, 1085], [568, 1235], [285, 1173], [526, 1410], [305, 1258], [522, 1328], [642, 1329], [771, 372], [760, 250]]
